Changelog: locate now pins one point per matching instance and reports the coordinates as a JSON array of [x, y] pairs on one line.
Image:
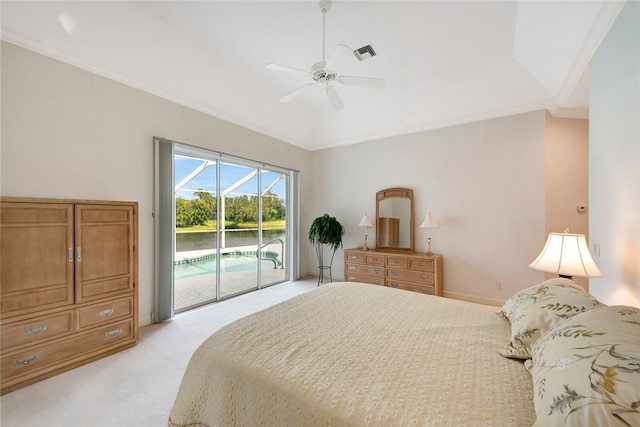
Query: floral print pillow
[[513, 307], [544, 311], [586, 370]]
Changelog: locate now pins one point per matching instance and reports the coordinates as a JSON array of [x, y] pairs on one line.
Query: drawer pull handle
[[70, 255], [352, 267], [26, 360], [393, 285], [394, 273], [396, 261], [423, 290], [377, 271], [79, 253], [421, 264], [113, 333], [107, 312], [351, 278], [36, 330], [424, 276], [354, 257], [374, 259]]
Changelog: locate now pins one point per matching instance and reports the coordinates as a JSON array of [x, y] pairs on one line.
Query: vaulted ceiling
[[445, 62]]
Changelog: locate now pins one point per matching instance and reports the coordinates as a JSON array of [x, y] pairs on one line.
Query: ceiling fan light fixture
[[365, 52]]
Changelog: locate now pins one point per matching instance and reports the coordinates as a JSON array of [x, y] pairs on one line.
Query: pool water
[[228, 263]]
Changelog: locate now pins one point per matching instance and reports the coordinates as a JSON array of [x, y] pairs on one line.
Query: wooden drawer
[[421, 264], [365, 279], [425, 289], [397, 262], [374, 260], [40, 359], [365, 270], [354, 257], [35, 331], [102, 288], [424, 278], [104, 313]]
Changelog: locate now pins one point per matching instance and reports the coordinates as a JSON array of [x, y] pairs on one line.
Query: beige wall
[[484, 182], [72, 134], [614, 160], [567, 183]]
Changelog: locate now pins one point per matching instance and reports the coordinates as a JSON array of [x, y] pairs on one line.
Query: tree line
[[238, 209]]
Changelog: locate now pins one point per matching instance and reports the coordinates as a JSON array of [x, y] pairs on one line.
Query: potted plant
[[325, 230]]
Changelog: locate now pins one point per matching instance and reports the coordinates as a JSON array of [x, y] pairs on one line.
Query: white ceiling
[[445, 62]]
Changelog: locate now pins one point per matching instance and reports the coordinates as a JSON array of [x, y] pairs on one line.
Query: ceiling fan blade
[[372, 82], [288, 97], [287, 69], [334, 98], [337, 54]]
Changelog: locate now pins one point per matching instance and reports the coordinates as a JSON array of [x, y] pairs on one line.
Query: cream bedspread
[[348, 354]]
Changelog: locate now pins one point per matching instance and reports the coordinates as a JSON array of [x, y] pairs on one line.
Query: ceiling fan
[[322, 72]]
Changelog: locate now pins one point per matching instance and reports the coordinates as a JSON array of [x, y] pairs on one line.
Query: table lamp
[[366, 223], [429, 223], [566, 255]]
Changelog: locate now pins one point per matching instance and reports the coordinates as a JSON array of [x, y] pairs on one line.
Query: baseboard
[[474, 298], [144, 321]]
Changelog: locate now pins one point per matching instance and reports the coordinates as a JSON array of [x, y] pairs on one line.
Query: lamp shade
[[567, 255], [428, 222], [365, 222]]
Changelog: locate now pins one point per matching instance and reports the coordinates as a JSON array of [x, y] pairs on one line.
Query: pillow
[[513, 307], [542, 312], [586, 370]]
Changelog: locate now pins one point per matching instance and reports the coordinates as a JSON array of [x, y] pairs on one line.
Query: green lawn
[[211, 225]]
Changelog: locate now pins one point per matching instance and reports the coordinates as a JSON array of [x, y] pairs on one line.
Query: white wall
[[68, 133], [614, 160], [484, 182]]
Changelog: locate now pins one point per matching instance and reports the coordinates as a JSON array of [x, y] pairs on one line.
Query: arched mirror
[[394, 219]]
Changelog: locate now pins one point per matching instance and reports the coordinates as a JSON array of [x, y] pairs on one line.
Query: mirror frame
[[390, 193]]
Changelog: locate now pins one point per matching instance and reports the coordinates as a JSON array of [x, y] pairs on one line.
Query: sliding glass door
[[273, 205], [230, 227]]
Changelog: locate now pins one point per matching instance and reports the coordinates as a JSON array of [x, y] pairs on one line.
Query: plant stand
[[321, 265]]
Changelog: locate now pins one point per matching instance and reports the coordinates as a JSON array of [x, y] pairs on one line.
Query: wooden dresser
[[68, 287], [410, 271]]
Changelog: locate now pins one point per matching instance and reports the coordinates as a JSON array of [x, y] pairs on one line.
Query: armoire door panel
[[104, 250], [37, 256]]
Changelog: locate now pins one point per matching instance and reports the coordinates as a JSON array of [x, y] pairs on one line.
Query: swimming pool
[[229, 262]]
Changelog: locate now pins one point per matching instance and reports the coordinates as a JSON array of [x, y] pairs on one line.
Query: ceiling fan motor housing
[[321, 74]]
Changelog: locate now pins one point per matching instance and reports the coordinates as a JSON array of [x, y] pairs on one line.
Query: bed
[[350, 354]]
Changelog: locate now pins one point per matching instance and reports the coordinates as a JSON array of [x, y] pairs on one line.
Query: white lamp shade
[[428, 222], [568, 255], [365, 222]]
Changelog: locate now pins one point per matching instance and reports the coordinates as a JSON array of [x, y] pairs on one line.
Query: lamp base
[[429, 253], [365, 247]]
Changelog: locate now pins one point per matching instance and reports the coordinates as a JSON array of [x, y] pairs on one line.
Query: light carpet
[[137, 386]]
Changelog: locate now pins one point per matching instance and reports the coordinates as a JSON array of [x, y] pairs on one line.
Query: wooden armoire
[[69, 284]]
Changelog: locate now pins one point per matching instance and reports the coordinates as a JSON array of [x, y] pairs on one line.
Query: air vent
[[364, 52]]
